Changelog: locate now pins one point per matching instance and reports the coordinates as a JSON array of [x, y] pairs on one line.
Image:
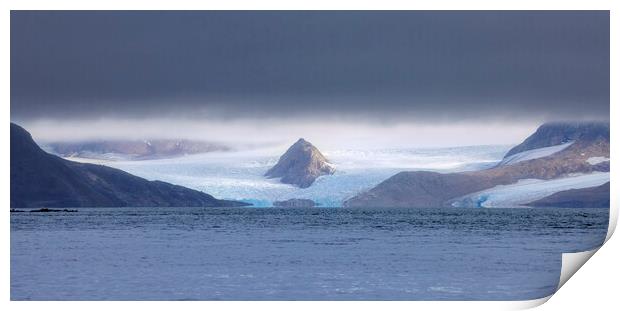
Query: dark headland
[[39, 179]]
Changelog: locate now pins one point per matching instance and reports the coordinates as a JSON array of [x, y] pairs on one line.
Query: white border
[[599, 290]]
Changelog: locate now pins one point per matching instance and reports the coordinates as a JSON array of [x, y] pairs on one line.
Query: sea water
[[297, 253]]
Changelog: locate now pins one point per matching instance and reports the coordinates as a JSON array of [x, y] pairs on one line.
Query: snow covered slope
[[528, 190], [534, 154], [597, 160]]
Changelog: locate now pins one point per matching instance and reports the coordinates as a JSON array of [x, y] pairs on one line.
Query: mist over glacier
[[334, 133]]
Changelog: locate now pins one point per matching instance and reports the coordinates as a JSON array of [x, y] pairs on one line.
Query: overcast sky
[[352, 67]]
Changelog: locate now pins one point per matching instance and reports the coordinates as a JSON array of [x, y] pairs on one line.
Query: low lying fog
[[329, 134]]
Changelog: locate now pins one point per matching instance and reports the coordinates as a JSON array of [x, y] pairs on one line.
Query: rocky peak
[[300, 165], [556, 133]]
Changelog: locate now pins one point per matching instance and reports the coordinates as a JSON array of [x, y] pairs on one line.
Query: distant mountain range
[[300, 165], [576, 144], [39, 179], [133, 149], [561, 164]]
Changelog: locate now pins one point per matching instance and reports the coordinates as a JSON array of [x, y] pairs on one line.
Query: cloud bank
[[406, 66]]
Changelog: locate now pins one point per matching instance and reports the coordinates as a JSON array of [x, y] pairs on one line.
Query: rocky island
[[300, 165]]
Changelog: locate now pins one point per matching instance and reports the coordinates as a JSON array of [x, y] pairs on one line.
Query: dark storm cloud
[[445, 64]]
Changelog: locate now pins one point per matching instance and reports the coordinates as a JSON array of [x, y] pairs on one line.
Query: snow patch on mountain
[[597, 160], [534, 154]]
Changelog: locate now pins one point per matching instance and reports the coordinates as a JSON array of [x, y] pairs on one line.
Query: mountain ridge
[[432, 189], [591, 197], [556, 133]]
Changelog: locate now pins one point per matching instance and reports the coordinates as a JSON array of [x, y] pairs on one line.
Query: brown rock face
[[300, 165], [431, 189], [555, 133], [419, 189]]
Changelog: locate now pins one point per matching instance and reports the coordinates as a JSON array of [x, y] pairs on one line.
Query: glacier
[[238, 175], [528, 190]]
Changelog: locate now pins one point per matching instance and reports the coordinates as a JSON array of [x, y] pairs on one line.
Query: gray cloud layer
[[429, 65]]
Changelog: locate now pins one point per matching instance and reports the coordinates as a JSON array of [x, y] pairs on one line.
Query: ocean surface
[[296, 254]]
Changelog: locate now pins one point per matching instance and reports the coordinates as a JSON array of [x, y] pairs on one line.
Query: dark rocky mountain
[[39, 179], [295, 203], [593, 197], [300, 165], [133, 149], [419, 189], [432, 189], [555, 133]]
